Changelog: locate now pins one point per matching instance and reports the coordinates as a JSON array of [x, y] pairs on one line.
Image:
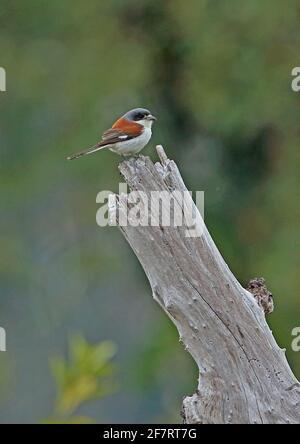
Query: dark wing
[[109, 137], [114, 135]]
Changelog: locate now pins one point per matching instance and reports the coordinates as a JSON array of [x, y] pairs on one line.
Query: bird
[[127, 136]]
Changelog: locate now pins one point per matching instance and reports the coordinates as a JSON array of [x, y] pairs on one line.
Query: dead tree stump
[[244, 376]]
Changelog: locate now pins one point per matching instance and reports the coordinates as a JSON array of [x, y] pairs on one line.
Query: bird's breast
[[132, 146]]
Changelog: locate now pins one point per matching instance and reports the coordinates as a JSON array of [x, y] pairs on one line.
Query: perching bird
[[128, 135]]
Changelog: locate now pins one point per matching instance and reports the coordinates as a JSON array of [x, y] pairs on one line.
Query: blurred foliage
[[87, 374], [217, 74], [6, 377]]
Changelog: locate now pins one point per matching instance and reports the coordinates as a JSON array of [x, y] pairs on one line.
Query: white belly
[[132, 146]]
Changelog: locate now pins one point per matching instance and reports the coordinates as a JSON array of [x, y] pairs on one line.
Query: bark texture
[[244, 376]]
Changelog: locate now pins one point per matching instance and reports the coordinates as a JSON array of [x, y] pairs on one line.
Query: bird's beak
[[150, 117]]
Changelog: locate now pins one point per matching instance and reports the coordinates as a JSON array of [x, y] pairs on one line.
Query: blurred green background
[[217, 74]]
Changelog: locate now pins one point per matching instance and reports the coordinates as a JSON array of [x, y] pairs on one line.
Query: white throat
[[146, 123]]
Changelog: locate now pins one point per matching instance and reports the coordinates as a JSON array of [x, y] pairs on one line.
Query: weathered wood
[[244, 376]]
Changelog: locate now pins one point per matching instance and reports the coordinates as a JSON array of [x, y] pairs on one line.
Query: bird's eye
[[139, 116]]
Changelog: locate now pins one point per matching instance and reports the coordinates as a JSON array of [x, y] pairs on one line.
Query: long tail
[[90, 150]]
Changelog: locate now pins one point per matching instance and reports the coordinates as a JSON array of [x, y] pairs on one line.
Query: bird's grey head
[[140, 115]]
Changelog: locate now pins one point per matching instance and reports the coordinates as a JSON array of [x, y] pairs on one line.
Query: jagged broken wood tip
[[161, 154]]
